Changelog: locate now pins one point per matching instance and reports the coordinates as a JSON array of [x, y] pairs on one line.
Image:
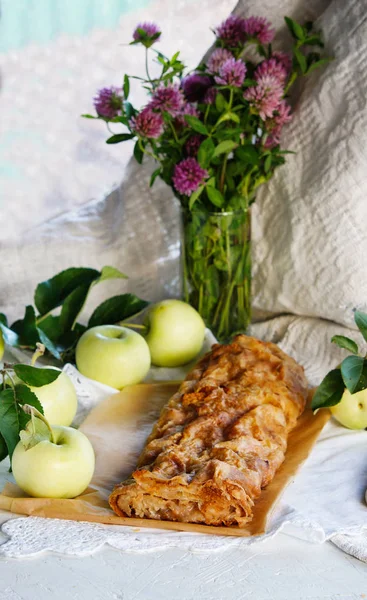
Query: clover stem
[[40, 350], [31, 410]]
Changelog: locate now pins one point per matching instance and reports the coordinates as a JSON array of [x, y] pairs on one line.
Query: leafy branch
[[67, 292], [351, 374]]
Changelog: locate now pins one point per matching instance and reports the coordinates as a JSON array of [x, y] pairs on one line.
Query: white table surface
[[284, 568]]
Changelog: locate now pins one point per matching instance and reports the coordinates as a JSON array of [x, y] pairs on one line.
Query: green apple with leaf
[[52, 461], [175, 333], [344, 389]]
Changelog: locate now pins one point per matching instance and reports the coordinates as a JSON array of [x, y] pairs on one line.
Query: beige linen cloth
[[309, 241]]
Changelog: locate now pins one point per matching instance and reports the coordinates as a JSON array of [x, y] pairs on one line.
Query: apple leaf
[[35, 432], [51, 293], [34, 376], [329, 392], [72, 306], [9, 337], [116, 309], [361, 322], [9, 419], [26, 328], [351, 370], [346, 343], [26, 396], [3, 448], [110, 273], [48, 344]]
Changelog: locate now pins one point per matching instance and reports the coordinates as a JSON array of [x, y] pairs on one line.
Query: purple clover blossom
[[283, 59], [187, 109], [195, 86], [232, 32], [217, 58], [193, 143], [281, 117], [210, 95], [232, 72], [266, 96], [188, 176], [259, 29], [108, 102], [271, 67], [167, 99], [147, 123], [146, 34]]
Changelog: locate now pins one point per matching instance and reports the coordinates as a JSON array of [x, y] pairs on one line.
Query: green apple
[[2, 345], [60, 466], [352, 410], [113, 355], [59, 400], [175, 333]]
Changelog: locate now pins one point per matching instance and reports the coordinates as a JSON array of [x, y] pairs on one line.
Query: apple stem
[[40, 350], [134, 325], [31, 410]]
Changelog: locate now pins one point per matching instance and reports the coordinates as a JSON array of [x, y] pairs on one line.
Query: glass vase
[[216, 254]]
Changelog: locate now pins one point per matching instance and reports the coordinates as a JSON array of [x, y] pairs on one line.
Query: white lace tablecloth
[[324, 502]]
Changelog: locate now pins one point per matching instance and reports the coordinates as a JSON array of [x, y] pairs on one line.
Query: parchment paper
[[117, 429]]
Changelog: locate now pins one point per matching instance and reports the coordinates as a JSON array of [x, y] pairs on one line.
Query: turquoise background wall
[[25, 22]]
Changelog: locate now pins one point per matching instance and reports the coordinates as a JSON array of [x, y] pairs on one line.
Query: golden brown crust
[[220, 438]]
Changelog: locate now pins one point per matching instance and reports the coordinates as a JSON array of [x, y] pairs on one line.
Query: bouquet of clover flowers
[[215, 136]]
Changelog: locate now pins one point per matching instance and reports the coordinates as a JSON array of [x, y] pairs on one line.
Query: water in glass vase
[[216, 252]]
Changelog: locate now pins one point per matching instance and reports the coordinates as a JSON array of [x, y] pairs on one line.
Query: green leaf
[[50, 326], [314, 40], [89, 117], [220, 102], [26, 328], [9, 420], [116, 309], [225, 147], [196, 124], [108, 272], [301, 59], [26, 396], [317, 64], [34, 376], [51, 347], [205, 152], [195, 196], [360, 319], [3, 448], [329, 392], [51, 293], [154, 176], [345, 342], [295, 29], [120, 137], [36, 431], [129, 110], [138, 153], [351, 370], [267, 163], [9, 336], [229, 116], [72, 306], [126, 87], [248, 154], [215, 196]]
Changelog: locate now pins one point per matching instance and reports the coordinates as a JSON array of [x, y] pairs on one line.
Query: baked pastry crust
[[220, 438]]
